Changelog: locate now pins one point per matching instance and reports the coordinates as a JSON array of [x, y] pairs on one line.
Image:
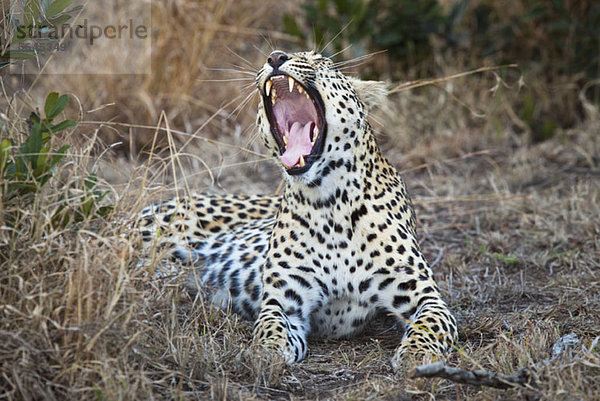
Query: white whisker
[[358, 59], [260, 50], [252, 73], [241, 68], [252, 66], [341, 51], [235, 112], [336, 36], [269, 42], [254, 134]]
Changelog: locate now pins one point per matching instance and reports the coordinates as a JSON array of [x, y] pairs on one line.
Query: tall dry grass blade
[[424, 82]]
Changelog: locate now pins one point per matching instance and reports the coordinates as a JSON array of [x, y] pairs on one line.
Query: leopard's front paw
[[277, 346], [416, 351], [273, 342]]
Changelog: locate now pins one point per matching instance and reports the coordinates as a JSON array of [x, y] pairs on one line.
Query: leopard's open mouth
[[297, 118]]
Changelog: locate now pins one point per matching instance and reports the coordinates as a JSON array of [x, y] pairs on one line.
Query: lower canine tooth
[[302, 163], [285, 140]]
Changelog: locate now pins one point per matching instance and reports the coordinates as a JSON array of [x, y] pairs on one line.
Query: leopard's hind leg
[[228, 267], [222, 240]]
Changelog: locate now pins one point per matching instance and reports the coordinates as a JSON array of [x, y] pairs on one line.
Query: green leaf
[[5, 146], [40, 165], [19, 169], [63, 125], [45, 137], [44, 4], [50, 103], [22, 186], [59, 106], [32, 146], [59, 155], [60, 20], [34, 118], [90, 181], [504, 258], [57, 7], [10, 171], [31, 12], [18, 54], [103, 211]]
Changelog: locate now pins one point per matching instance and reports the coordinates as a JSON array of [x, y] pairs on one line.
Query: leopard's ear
[[371, 93]]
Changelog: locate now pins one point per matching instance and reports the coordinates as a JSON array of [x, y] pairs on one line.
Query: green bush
[[27, 167], [557, 45], [33, 164], [401, 27], [555, 42], [563, 36]]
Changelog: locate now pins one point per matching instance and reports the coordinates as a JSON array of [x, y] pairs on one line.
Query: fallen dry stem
[[525, 377], [480, 377]]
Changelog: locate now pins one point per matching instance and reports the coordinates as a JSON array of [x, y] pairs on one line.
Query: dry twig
[[482, 377]]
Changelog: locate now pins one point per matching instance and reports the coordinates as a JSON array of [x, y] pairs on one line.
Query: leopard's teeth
[[301, 162], [315, 134], [268, 86], [273, 98], [291, 83], [285, 140], [300, 89]]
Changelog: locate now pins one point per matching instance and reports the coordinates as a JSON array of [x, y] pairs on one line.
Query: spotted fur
[[337, 249]]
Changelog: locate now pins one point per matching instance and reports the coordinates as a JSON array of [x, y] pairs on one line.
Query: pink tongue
[[298, 144]]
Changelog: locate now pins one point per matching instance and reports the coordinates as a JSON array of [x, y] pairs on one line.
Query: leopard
[[336, 249]]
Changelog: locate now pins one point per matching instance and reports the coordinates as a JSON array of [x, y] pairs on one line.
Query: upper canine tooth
[[268, 87], [291, 83]]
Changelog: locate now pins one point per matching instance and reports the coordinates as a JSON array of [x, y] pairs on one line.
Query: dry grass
[[511, 228]]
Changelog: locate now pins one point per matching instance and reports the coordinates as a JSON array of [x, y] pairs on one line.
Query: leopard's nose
[[276, 59]]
